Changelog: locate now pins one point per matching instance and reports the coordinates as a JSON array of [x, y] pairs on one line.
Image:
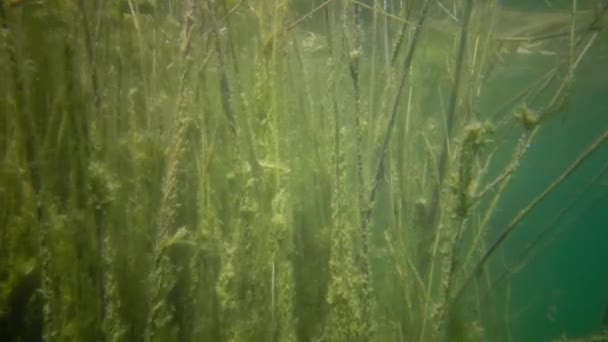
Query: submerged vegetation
[[254, 170]]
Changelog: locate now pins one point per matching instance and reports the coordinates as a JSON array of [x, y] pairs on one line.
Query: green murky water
[[341, 170]]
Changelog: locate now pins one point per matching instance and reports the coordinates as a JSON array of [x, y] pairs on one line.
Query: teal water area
[[556, 259]]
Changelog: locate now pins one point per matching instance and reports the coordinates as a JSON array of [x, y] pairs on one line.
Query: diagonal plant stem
[[452, 106], [88, 39], [514, 224], [387, 136], [308, 15], [550, 231], [399, 41], [383, 12], [594, 26]]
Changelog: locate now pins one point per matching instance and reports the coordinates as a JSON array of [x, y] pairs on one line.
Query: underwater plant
[[286, 170]]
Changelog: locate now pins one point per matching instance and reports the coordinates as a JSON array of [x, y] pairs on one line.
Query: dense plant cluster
[[253, 170]]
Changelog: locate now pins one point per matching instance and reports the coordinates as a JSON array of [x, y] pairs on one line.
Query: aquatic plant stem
[[88, 40], [572, 40], [308, 15], [354, 59], [387, 136], [451, 114], [142, 64], [165, 272], [386, 14], [385, 34], [272, 305]]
